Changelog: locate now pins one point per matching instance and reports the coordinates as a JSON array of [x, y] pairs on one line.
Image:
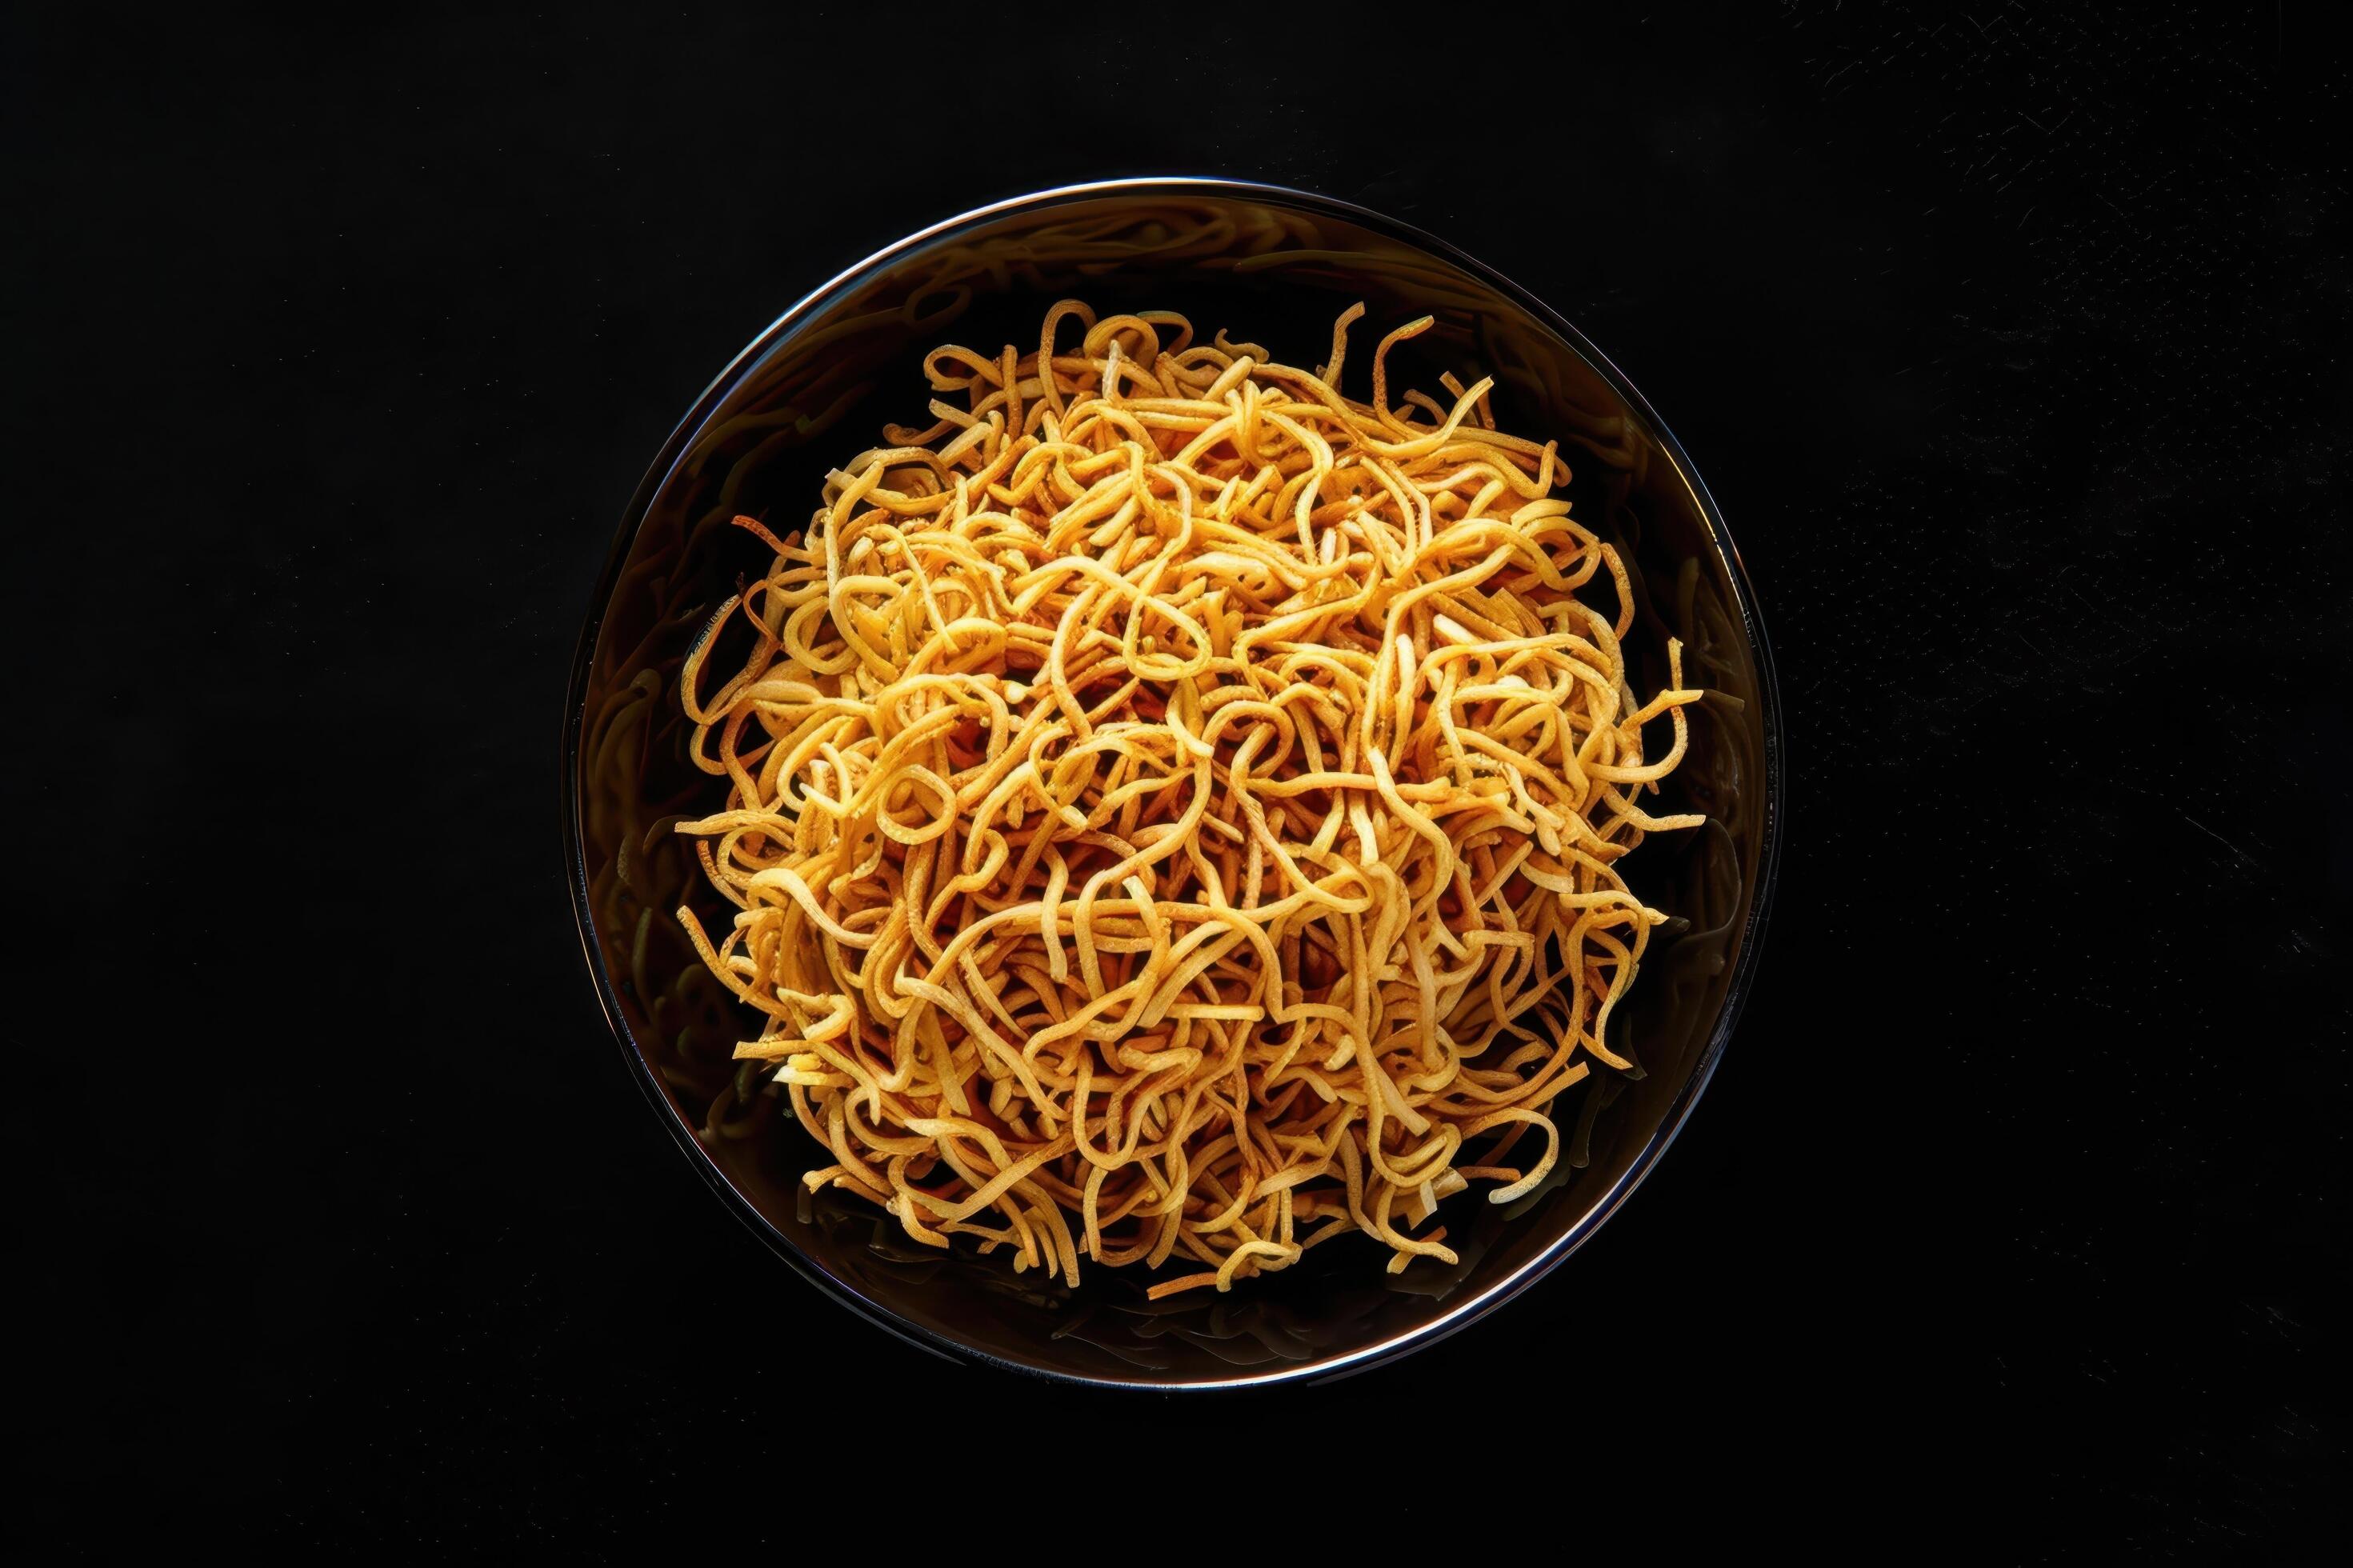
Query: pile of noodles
[[1174, 808]]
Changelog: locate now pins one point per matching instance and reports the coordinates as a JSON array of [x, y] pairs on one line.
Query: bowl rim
[[1461, 1314]]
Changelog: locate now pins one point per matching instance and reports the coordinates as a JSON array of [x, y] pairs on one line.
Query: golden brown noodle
[[1173, 807]]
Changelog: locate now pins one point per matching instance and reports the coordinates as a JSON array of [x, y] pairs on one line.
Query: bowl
[[1276, 266]]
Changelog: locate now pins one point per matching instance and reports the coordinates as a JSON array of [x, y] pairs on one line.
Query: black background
[[2013, 339]]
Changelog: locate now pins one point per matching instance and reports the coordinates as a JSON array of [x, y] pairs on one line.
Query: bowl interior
[[1273, 268]]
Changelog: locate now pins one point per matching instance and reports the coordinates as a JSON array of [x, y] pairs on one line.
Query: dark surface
[[2013, 345]]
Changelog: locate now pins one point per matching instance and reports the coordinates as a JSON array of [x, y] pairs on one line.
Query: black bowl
[[1274, 266]]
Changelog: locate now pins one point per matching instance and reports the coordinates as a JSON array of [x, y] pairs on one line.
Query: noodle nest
[[1174, 808]]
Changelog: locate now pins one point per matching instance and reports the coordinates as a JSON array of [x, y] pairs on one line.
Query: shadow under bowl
[[1275, 267]]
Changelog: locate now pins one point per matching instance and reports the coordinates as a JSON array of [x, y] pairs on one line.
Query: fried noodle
[[1174, 808]]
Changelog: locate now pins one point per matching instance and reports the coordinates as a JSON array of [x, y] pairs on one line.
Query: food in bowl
[[1174, 808]]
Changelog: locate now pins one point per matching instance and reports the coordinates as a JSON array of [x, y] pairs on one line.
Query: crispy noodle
[[1174, 808]]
